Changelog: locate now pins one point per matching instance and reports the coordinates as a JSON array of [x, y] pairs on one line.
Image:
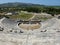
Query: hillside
[[19, 4]]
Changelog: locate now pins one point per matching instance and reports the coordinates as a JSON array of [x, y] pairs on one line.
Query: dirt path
[[32, 17]]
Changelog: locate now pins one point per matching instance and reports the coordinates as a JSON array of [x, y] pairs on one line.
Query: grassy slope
[[23, 16]]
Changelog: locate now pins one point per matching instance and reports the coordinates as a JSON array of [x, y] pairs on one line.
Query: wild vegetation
[[34, 8], [22, 16], [7, 7], [49, 10]]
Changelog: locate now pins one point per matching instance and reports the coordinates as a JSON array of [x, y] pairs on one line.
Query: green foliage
[[9, 7], [23, 16]]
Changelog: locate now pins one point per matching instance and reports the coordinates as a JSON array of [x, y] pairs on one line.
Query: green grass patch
[[23, 16], [40, 17]]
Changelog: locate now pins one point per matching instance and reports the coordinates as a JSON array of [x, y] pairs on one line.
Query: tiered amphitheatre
[[51, 24], [47, 34], [9, 24]]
